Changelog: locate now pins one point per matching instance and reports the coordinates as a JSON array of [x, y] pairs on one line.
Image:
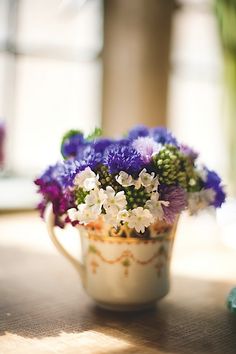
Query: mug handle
[[50, 222]]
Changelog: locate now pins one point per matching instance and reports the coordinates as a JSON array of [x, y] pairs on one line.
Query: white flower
[[123, 215], [200, 200], [153, 186], [96, 198], [84, 214], [73, 214], [111, 216], [87, 179], [114, 200], [139, 219], [87, 214], [124, 179], [154, 205], [146, 178]]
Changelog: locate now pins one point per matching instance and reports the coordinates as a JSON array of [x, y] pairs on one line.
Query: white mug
[[121, 273]]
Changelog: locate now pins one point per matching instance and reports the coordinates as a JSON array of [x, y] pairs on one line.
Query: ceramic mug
[[121, 273]]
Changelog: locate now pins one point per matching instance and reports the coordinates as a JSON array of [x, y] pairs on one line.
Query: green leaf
[[95, 134]]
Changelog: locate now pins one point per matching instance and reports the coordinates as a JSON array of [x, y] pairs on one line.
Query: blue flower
[[72, 143], [136, 132], [163, 136], [69, 170], [89, 157], [123, 158], [101, 144], [213, 181]]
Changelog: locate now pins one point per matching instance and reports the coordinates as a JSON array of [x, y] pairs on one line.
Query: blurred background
[[113, 63]]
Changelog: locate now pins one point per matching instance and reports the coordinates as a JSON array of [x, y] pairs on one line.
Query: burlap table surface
[[43, 309]]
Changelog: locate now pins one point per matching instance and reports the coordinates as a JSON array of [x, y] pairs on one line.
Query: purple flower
[[163, 136], [72, 144], [213, 181], [188, 151], [51, 190], [177, 198], [146, 147], [139, 130], [123, 158]]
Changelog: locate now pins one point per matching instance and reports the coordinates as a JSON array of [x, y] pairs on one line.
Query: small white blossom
[[123, 215], [86, 179], [87, 214], [114, 200], [147, 180], [84, 214], [125, 179], [154, 205], [111, 216], [140, 218], [200, 200], [202, 171], [73, 214], [153, 185], [96, 198]]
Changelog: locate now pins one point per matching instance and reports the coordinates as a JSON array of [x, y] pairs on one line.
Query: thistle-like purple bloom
[[123, 158], [177, 198], [213, 181], [136, 132], [146, 147], [163, 136]]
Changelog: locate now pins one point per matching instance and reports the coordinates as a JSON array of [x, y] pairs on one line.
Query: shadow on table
[[40, 296]]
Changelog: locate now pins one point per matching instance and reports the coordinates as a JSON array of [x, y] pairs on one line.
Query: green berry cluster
[[80, 195], [175, 168], [107, 179], [136, 197]]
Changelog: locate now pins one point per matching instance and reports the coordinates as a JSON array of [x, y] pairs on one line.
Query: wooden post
[[136, 63]]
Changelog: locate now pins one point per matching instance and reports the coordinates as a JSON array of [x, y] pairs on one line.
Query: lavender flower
[[123, 158], [146, 147], [138, 131], [177, 198], [163, 136], [213, 181], [187, 151]]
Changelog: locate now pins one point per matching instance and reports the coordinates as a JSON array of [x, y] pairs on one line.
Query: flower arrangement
[[145, 177]]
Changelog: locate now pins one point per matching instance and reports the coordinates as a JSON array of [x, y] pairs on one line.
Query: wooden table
[[43, 308]]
